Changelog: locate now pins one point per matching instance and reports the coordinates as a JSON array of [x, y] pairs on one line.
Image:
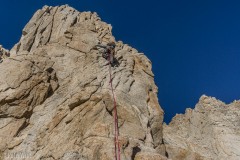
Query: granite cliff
[[56, 101], [55, 97], [211, 131]]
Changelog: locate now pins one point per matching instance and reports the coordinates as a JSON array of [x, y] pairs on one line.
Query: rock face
[[3, 53], [211, 131], [56, 101], [55, 97]]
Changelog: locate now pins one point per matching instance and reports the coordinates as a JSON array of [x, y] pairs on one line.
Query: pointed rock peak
[[66, 26], [197, 133], [55, 91]]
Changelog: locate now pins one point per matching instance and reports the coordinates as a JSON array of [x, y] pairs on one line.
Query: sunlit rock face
[[55, 97], [4, 53], [56, 101], [211, 131]]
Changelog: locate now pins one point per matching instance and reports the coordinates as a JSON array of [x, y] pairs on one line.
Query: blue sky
[[194, 45]]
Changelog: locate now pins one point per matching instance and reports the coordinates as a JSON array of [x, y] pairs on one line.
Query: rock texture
[[55, 99], [211, 131], [3, 53], [56, 102]]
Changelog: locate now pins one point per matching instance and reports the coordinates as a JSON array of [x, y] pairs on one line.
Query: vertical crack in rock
[[51, 30], [54, 91]]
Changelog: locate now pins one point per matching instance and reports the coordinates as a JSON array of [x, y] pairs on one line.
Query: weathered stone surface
[[55, 97], [149, 156], [56, 102], [209, 132], [3, 53]]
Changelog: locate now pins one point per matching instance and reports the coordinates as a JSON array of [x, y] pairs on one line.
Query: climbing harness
[[116, 130]]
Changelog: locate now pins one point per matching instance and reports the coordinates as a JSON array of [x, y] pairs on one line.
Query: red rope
[[116, 141]]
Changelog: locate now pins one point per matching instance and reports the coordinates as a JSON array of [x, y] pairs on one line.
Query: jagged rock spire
[[210, 131]]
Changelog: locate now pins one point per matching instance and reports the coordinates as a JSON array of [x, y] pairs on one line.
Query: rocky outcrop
[[209, 132], [55, 99], [3, 53]]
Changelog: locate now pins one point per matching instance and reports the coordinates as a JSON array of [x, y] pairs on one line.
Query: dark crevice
[[50, 70], [150, 89], [44, 29], [78, 103], [35, 35], [52, 25], [27, 114], [131, 84], [147, 73], [148, 125], [135, 151], [125, 145], [22, 127], [53, 77], [133, 67], [166, 154], [109, 112], [115, 63], [74, 21], [49, 92], [117, 84], [18, 47], [143, 139]]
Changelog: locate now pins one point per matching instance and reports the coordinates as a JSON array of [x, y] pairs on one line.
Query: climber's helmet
[[111, 45]]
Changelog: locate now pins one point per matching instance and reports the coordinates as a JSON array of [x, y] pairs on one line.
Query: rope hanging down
[[116, 141]]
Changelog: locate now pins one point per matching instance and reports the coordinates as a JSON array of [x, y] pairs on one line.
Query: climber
[[108, 52]]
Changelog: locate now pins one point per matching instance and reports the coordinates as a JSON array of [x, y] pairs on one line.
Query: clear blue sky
[[194, 44]]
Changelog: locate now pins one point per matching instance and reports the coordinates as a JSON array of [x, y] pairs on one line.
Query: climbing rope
[[116, 131]]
